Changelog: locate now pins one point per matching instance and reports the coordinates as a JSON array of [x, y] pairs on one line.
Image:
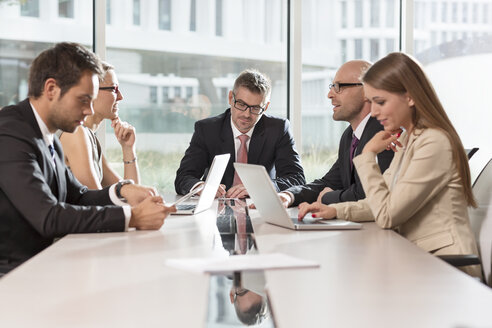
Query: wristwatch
[[120, 184]]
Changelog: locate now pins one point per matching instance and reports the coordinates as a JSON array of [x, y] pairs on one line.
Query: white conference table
[[368, 278]]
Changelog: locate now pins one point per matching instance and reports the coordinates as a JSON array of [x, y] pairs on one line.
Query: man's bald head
[[354, 69], [349, 102]]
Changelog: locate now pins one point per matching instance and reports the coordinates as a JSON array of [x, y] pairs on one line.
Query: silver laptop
[[260, 188], [212, 182]]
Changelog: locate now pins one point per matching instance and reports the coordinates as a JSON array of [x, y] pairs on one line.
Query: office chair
[[481, 224], [470, 152]]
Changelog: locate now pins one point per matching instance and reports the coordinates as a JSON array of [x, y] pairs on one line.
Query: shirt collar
[[362, 125], [47, 136], [236, 133]]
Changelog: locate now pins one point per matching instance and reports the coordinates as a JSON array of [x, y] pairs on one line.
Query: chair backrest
[[481, 219], [470, 152]]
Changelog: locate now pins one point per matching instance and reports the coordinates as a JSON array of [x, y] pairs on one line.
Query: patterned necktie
[[353, 146], [52, 152], [242, 156]]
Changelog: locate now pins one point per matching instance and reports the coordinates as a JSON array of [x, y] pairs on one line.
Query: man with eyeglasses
[[341, 183], [249, 135]]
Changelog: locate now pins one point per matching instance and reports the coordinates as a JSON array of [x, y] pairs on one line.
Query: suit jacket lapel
[[256, 144], [227, 144], [60, 171], [367, 134], [347, 173], [227, 147], [27, 113], [407, 140]]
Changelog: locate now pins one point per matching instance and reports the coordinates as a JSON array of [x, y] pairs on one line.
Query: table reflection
[[239, 299]]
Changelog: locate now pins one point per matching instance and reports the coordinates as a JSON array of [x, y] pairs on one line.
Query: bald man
[[341, 183]]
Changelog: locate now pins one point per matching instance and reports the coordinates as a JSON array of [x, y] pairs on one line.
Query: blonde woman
[[425, 193], [83, 153]]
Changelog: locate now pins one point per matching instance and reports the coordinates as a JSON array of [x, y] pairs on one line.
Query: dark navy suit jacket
[[346, 184], [271, 145], [38, 204]]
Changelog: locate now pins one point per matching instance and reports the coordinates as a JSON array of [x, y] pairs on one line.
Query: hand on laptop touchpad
[[308, 218]]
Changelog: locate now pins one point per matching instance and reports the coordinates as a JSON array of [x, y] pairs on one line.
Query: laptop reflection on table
[[261, 190]]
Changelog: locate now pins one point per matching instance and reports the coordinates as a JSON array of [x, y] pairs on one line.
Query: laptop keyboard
[[185, 207]]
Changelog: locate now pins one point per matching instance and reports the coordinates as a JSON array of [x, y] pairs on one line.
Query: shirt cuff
[[289, 196], [196, 185], [127, 210]]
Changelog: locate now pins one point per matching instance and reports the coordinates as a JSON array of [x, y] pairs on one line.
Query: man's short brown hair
[[254, 81], [65, 62]]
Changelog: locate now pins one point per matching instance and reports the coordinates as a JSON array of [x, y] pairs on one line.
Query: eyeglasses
[[239, 292], [338, 85], [114, 89], [238, 104]]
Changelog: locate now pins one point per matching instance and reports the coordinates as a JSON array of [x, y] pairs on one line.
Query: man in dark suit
[[39, 198], [246, 133], [341, 183]]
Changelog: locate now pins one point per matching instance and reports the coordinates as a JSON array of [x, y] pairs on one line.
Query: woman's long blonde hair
[[106, 67], [400, 73]]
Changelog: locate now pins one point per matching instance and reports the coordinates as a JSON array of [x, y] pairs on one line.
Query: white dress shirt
[[360, 128]]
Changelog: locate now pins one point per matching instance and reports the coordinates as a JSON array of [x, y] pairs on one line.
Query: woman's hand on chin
[[383, 140], [124, 132]]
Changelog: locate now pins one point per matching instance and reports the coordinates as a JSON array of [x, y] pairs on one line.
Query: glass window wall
[[29, 27], [327, 43], [458, 64], [171, 77]]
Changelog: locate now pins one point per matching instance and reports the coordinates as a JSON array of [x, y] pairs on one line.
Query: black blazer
[[346, 186], [37, 204], [271, 145]]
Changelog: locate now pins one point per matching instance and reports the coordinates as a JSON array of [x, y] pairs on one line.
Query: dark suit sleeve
[[338, 178], [289, 171], [24, 183], [384, 159], [79, 194], [332, 179], [355, 191], [309, 192], [193, 164]]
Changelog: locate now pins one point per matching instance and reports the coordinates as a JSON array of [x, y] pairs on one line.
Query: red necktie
[[242, 156], [242, 237]]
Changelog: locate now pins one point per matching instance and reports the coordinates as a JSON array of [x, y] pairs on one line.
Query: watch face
[[118, 188]]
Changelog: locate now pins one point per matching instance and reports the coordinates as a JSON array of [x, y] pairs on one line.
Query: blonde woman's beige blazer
[[420, 196]]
